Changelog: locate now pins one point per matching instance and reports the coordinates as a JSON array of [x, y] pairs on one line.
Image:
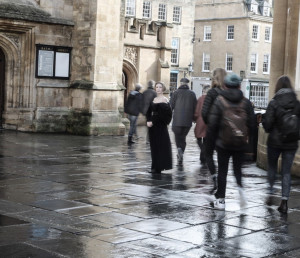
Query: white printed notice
[[62, 64]]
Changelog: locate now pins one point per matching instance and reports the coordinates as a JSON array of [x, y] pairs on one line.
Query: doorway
[[2, 84]]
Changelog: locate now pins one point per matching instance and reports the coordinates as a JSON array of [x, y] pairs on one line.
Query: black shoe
[[283, 208], [155, 171], [130, 141]]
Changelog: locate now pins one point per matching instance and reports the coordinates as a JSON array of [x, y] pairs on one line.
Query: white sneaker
[[243, 199], [219, 204]]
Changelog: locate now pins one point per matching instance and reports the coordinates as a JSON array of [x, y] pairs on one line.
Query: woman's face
[[159, 88]]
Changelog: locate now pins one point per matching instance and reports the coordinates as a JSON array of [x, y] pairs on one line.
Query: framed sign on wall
[[53, 62]]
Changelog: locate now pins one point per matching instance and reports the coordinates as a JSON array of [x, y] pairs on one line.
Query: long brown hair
[[218, 78], [283, 82]]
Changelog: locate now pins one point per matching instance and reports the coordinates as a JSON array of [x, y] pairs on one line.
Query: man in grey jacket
[[183, 103]]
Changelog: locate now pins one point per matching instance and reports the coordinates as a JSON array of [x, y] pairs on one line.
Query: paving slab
[[88, 196]]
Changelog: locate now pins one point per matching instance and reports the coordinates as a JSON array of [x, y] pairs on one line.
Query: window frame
[[55, 50], [175, 14], [175, 51], [253, 32], [205, 55], [173, 83], [228, 55], [205, 38], [256, 62], [149, 11], [268, 64], [270, 33], [230, 32], [130, 8], [162, 11]]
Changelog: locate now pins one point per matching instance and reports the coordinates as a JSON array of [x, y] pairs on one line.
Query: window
[[175, 51], [147, 9], [266, 64], [53, 62], [173, 81], [229, 61], [162, 12], [207, 33], [177, 14], [253, 64], [268, 34], [259, 94], [206, 62], [130, 7], [255, 32], [230, 32]]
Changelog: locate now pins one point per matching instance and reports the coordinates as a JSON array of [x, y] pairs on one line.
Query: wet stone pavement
[[75, 196]]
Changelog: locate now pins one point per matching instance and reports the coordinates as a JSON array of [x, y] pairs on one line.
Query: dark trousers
[[286, 165], [201, 143], [223, 162], [209, 154], [180, 136], [132, 129]]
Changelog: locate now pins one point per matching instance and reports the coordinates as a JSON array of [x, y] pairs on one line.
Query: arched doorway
[[130, 77], [2, 84]]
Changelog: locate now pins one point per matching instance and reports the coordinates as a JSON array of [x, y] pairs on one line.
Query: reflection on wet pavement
[[77, 196]]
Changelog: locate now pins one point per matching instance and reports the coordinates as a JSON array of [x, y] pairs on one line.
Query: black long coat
[[183, 103]]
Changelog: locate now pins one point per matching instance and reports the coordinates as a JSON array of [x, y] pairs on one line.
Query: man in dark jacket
[[183, 103], [148, 96], [233, 97], [133, 107]]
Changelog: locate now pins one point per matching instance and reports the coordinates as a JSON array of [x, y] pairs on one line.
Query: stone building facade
[[157, 41], [61, 67], [234, 35], [67, 66], [285, 60]]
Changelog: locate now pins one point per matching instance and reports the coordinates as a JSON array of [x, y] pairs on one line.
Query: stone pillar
[[97, 67], [285, 50]]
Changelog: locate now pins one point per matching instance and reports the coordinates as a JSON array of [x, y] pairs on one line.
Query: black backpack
[[234, 130], [289, 124]]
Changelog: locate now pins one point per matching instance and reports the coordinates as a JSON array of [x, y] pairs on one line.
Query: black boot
[[130, 141], [283, 208]]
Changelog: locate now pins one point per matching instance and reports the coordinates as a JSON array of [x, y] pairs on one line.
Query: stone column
[[285, 50], [97, 67]]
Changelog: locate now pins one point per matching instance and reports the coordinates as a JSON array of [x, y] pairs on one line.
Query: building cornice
[[251, 17]]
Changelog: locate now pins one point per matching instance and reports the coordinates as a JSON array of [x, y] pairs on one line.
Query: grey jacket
[[183, 104]]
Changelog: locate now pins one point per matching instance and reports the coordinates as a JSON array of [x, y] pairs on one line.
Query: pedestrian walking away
[[217, 85], [159, 115], [281, 121], [133, 107], [183, 103], [230, 122], [200, 128], [148, 95]]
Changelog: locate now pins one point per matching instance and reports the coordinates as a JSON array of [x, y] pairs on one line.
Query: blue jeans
[[132, 129], [287, 162]]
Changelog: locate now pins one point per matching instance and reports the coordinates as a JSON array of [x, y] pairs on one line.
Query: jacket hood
[[286, 97], [233, 95]]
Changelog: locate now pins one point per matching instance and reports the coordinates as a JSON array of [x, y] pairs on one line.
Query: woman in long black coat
[[158, 116]]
